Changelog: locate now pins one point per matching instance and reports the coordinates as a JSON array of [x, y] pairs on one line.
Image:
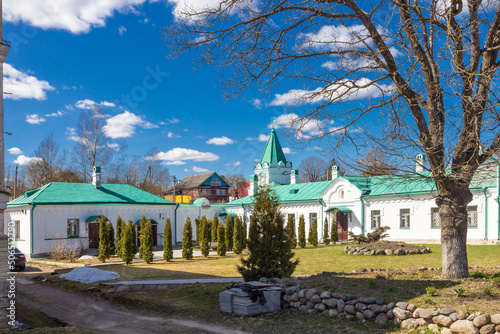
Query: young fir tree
[[270, 249], [205, 232], [111, 239], [245, 232], [326, 234], [302, 232], [221, 241], [146, 247], [168, 250], [187, 240], [103, 240], [215, 228], [120, 227], [229, 233], [238, 236], [197, 225], [127, 243], [313, 233], [334, 236], [142, 224], [133, 233], [290, 230]]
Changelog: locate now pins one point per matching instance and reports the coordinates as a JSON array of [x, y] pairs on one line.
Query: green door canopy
[[153, 222], [340, 208], [225, 213], [94, 218]]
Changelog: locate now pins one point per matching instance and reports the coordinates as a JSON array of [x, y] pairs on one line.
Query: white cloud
[[72, 135], [172, 135], [193, 11], [175, 163], [173, 121], [121, 30], [88, 104], [339, 91], [123, 125], [23, 86], [55, 114], [199, 169], [237, 163], [263, 137], [23, 160], [257, 103], [287, 150], [76, 16], [114, 146], [15, 151], [35, 119], [305, 128], [182, 154], [220, 141]]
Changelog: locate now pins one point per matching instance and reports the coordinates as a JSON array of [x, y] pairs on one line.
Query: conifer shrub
[[290, 230], [238, 236], [146, 247], [270, 249], [205, 233], [214, 228], [229, 231], [245, 231], [120, 227], [326, 235], [187, 240], [127, 243], [142, 224], [221, 240], [168, 250], [302, 232], [133, 233], [313, 233], [197, 225], [103, 240], [334, 237]]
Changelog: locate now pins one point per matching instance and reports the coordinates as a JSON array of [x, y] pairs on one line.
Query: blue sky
[[72, 55]]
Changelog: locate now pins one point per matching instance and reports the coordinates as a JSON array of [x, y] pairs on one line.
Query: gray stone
[[411, 307], [286, 298], [343, 296], [367, 300], [402, 305], [325, 294], [330, 302], [310, 293], [443, 320], [390, 306], [335, 295], [381, 319], [295, 304], [291, 290], [380, 252], [390, 314], [377, 309], [487, 329], [446, 331], [495, 318], [302, 293], [380, 301], [303, 301], [303, 308], [454, 316], [310, 305], [497, 328], [462, 315], [481, 320], [359, 316], [264, 280], [312, 312], [428, 313], [276, 280], [350, 309], [388, 252], [399, 252], [421, 322], [350, 297], [349, 316], [400, 313], [409, 323], [464, 327], [360, 307], [295, 297], [333, 313], [446, 311], [320, 307], [315, 299], [367, 314], [340, 305], [434, 328]]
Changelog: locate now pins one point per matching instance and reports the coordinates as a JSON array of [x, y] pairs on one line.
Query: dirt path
[[79, 311]]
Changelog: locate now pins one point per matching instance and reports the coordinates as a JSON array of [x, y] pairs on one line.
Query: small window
[[404, 218], [73, 227], [17, 226], [435, 219], [472, 216], [375, 218], [221, 192]]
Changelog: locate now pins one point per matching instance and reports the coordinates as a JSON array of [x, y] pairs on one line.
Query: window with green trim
[[472, 216], [17, 227], [375, 218], [435, 219], [404, 218], [73, 227]]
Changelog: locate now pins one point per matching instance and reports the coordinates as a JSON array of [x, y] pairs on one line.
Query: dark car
[[19, 260]]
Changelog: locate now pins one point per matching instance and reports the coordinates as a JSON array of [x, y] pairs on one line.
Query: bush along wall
[[439, 320]]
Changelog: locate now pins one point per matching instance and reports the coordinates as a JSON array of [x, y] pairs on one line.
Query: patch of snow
[[87, 257], [89, 275]]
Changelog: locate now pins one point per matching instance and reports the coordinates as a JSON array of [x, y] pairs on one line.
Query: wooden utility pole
[[174, 189], [15, 182]]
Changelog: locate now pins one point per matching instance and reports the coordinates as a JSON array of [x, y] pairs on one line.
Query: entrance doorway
[[342, 225], [94, 235]]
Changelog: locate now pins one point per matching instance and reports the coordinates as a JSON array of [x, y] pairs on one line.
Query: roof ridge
[[42, 189]]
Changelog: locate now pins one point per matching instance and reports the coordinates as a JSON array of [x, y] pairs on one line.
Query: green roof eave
[[94, 218], [225, 213], [338, 207], [88, 203]]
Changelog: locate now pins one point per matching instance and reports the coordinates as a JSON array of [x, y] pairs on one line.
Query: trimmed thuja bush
[[120, 227], [142, 225], [334, 236], [313, 233], [290, 230], [214, 229], [326, 235], [229, 233], [270, 249], [245, 231], [111, 239], [238, 236], [221, 240], [205, 233], [168, 250], [104, 252], [146, 237], [302, 232], [197, 225], [134, 235], [127, 243], [187, 240]]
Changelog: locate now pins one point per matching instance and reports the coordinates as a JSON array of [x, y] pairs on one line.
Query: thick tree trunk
[[453, 216]]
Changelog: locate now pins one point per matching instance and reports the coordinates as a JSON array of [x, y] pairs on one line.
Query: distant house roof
[[200, 180], [273, 151], [86, 193]]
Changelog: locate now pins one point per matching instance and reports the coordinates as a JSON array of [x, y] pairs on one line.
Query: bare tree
[[429, 68], [92, 147], [155, 175], [47, 164], [375, 162], [312, 169], [235, 182]]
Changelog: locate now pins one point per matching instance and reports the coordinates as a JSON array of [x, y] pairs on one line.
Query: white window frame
[[73, 225], [404, 218], [376, 219], [435, 218], [472, 216]]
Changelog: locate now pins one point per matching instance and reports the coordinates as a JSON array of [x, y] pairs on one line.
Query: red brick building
[[209, 185]]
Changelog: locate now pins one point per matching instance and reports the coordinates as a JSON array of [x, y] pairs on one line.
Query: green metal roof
[[273, 151], [94, 218], [85, 193], [225, 213], [300, 192], [340, 208]]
